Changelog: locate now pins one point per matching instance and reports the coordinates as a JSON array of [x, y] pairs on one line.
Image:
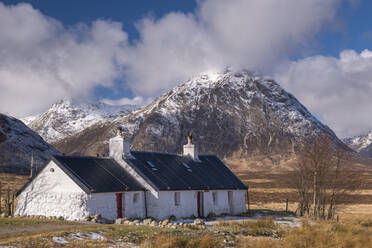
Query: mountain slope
[[68, 117], [235, 114], [18, 143], [361, 143]]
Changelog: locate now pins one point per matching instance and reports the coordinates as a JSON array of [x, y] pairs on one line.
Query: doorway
[[119, 205]]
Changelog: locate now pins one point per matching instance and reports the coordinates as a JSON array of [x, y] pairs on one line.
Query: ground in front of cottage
[[260, 228]]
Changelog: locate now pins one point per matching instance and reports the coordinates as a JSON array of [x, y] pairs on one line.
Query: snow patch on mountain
[[360, 142], [69, 116]]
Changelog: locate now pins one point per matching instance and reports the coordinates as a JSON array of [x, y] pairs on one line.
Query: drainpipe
[[145, 199]]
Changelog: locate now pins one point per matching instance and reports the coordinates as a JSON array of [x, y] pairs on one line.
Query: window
[[187, 167], [151, 165], [177, 198], [214, 196], [135, 197]]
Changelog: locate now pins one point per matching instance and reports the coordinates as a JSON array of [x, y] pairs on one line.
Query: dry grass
[[261, 227], [167, 241], [352, 233]]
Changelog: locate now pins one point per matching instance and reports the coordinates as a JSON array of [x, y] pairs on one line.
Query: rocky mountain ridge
[[234, 114], [361, 144], [68, 117]]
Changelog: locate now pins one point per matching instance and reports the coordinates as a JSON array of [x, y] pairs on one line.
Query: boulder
[[147, 221], [154, 223], [198, 222], [165, 222], [119, 221]]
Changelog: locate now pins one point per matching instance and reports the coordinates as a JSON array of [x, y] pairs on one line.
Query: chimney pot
[[119, 147], [190, 149]]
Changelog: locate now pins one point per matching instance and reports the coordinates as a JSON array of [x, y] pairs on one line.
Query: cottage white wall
[[103, 204], [222, 205], [52, 194], [163, 206], [238, 201], [133, 209]]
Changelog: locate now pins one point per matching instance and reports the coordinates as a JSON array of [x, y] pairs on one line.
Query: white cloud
[[252, 34], [138, 100], [42, 61], [339, 89]]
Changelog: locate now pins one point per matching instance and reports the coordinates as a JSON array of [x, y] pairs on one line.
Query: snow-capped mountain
[[17, 145], [68, 117], [361, 143], [234, 114]]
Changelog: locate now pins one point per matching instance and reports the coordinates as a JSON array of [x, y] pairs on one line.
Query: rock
[[147, 221], [88, 218], [165, 222], [198, 222], [154, 223], [119, 221], [3, 215], [136, 221]]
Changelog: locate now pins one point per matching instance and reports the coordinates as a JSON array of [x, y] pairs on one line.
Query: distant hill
[[361, 144]]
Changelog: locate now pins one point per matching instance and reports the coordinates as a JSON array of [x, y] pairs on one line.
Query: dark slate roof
[[98, 175], [167, 172]]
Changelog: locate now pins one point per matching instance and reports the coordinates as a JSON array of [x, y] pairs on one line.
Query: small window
[[177, 198], [186, 165], [214, 196], [135, 197], [151, 165]]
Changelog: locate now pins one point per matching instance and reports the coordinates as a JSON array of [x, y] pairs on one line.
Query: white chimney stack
[[119, 147], [190, 149]]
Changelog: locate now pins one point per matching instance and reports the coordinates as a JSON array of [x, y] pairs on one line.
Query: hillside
[[18, 143], [238, 115]]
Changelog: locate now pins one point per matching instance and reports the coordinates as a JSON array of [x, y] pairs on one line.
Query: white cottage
[[133, 184]]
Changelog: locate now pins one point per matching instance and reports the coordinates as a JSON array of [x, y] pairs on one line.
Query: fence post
[[286, 205]]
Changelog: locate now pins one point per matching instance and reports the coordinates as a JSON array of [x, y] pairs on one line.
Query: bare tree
[[323, 173]]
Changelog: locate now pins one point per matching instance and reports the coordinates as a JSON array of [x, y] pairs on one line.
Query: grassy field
[[350, 232]]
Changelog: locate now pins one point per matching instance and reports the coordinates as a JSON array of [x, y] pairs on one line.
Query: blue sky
[[132, 51]]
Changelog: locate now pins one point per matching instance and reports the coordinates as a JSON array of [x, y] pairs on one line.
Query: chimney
[[119, 147], [190, 149]]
